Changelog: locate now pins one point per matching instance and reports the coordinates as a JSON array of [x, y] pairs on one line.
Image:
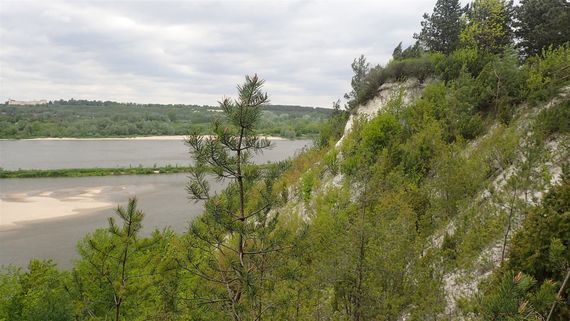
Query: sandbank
[[24, 207]]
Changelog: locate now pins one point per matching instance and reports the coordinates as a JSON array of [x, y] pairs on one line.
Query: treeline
[[455, 40], [423, 199], [81, 118]]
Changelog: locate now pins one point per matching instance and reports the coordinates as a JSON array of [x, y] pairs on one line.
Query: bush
[[533, 248], [554, 120], [308, 182], [397, 70], [548, 73], [500, 86], [331, 131], [467, 59], [513, 297]]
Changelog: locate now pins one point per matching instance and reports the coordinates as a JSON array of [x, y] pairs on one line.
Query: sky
[[195, 52]]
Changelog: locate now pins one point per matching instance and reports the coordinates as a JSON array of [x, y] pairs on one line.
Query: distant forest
[[85, 118]]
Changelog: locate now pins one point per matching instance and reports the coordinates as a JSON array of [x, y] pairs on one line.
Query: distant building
[[22, 103]]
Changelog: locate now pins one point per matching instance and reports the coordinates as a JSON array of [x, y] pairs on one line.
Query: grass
[[80, 172]]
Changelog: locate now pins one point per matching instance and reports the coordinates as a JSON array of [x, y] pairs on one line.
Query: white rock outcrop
[[410, 90]]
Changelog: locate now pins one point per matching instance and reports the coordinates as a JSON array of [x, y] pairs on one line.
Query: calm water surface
[[52, 154], [163, 198]]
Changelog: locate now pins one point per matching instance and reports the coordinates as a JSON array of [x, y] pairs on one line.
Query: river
[[78, 206]]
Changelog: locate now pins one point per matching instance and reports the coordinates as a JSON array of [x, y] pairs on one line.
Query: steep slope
[[477, 195]]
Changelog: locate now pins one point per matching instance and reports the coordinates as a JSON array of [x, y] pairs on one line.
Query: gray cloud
[[194, 51]]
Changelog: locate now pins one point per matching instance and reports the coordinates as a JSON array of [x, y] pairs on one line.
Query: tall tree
[[440, 30], [541, 23], [397, 53], [361, 68], [489, 26], [234, 244]]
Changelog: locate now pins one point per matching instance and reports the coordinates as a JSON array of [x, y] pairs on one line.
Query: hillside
[[440, 190], [435, 232]]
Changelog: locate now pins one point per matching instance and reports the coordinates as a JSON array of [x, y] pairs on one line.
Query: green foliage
[[420, 68], [525, 287], [542, 247], [367, 140], [82, 172], [468, 60], [397, 53], [361, 68], [440, 30], [332, 162], [514, 299], [548, 73], [488, 26], [115, 256], [37, 294], [501, 86], [419, 150], [462, 119], [458, 179], [234, 248], [540, 24], [308, 183], [276, 245], [412, 51], [332, 130], [554, 120], [102, 119]]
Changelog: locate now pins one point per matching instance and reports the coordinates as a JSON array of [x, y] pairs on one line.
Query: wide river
[[46, 217]]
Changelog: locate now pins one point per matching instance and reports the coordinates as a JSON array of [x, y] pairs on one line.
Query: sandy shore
[[178, 137], [22, 207]]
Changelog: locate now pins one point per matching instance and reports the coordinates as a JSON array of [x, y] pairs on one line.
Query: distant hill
[[92, 118]]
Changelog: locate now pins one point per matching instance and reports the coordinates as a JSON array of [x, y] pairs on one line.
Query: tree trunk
[[558, 295]]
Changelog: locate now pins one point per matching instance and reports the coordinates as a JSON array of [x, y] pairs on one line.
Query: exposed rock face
[[410, 90]]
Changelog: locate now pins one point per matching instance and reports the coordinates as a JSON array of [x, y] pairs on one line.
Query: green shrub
[[380, 132], [331, 161], [555, 120], [449, 246], [397, 70], [367, 140], [548, 73], [308, 182], [513, 298], [532, 248], [501, 86], [462, 60], [419, 150]]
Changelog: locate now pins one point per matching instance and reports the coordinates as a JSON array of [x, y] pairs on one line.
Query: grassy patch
[[80, 172]]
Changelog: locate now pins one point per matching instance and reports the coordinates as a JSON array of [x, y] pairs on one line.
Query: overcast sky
[[195, 52]]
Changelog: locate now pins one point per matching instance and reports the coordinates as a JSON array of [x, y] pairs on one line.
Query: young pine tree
[[113, 256], [234, 245]]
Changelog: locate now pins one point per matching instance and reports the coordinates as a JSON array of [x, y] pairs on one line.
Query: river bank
[[84, 172]]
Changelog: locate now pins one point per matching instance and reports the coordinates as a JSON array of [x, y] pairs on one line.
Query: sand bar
[[17, 208]]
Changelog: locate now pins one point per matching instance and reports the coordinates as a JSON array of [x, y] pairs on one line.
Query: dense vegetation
[[420, 201], [81, 118]]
